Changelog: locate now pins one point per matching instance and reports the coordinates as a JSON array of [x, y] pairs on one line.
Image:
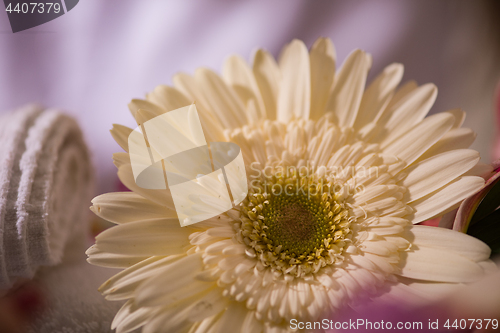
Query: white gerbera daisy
[[337, 175]]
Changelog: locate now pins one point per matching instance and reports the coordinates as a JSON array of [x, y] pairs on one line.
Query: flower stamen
[[296, 224]]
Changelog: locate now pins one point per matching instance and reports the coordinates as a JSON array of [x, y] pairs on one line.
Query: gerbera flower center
[[291, 223], [295, 224]]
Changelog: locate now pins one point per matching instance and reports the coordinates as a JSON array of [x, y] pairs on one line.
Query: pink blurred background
[[91, 61]]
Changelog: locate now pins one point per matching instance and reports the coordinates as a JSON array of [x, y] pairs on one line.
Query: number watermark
[[28, 14]]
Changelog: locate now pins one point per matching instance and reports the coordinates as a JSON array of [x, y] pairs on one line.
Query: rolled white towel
[[46, 183]]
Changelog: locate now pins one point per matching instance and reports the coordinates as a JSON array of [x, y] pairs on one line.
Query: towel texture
[[45, 181], [75, 305]]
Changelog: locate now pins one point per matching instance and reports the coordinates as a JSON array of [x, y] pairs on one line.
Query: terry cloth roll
[[45, 186]]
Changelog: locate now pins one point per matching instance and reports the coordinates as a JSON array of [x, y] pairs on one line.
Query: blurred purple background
[[91, 61]]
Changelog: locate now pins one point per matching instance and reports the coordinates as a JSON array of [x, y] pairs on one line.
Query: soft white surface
[[75, 305], [95, 59], [45, 189], [46, 181]]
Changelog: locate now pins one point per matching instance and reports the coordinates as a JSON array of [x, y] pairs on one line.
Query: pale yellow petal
[[268, 77], [123, 207], [401, 92], [177, 282], [126, 176], [137, 104], [112, 260], [294, 96], [459, 115], [188, 86], [123, 284], [238, 74], [433, 264], [431, 174], [168, 98], [120, 134], [418, 139], [448, 240], [444, 199], [408, 112], [130, 317], [151, 237], [322, 58], [223, 100], [378, 95], [459, 138], [348, 88]]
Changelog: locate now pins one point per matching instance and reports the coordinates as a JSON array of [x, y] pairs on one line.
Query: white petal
[[460, 138], [123, 207], [223, 232], [408, 112], [267, 75], [349, 87], [230, 262], [305, 296], [444, 199], [208, 305], [139, 104], [418, 139], [174, 283], [364, 278], [232, 319], [218, 247], [431, 290], [372, 193], [124, 284], [143, 115], [189, 87], [401, 92], [378, 95], [381, 248], [381, 262], [326, 147], [171, 319], [363, 262], [322, 57], [101, 258], [327, 281], [120, 134], [238, 74], [433, 173], [251, 324], [161, 197], [152, 237], [401, 295], [349, 284], [168, 98], [294, 96], [277, 294], [386, 230], [439, 265], [130, 317], [222, 99], [482, 170], [449, 240], [459, 115]]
